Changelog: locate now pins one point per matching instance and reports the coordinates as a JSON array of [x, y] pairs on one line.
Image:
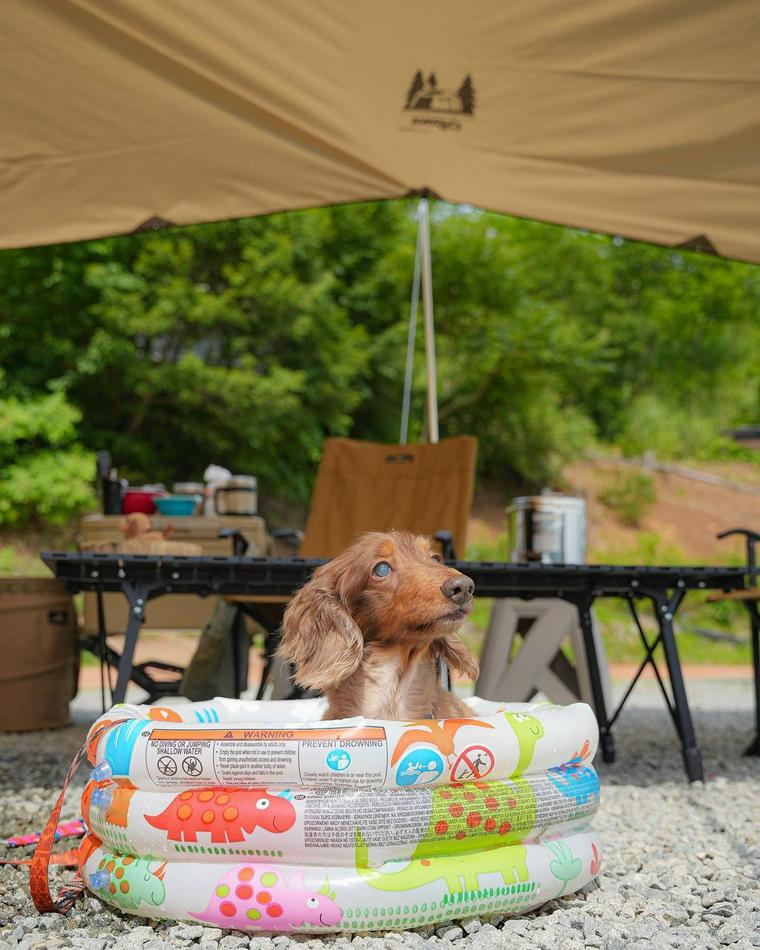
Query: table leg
[[134, 624], [606, 740], [665, 609], [754, 618]]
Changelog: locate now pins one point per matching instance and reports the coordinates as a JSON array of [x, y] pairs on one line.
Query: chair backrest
[[368, 486]]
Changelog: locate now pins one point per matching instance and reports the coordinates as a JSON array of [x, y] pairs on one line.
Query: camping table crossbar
[[143, 577]]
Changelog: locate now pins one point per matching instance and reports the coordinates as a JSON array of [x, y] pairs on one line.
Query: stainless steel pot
[[550, 527], [238, 496]]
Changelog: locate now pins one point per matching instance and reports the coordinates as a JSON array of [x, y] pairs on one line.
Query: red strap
[[39, 883], [67, 858]]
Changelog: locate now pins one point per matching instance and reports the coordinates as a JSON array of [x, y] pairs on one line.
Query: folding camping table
[[142, 577]]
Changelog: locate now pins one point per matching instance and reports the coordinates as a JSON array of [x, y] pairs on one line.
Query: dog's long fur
[[370, 643]]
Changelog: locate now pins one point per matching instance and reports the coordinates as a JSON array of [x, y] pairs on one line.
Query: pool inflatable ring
[[259, 816]]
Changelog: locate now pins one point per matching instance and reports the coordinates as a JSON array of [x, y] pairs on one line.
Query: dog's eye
[[437, 558], [382, 569]]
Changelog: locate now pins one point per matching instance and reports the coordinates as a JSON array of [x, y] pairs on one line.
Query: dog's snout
[[458, 588]]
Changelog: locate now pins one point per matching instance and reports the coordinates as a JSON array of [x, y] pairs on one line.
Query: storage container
[[40, 668]]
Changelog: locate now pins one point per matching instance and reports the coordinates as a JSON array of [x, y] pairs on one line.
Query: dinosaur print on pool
[[227, 813], [131, 881], [471, 824], [256, 896], [528, 730]]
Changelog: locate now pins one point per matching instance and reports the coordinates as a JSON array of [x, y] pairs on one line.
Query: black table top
[[207, 574]]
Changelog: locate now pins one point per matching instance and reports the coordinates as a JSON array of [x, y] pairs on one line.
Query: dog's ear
[[319, 636], [453, 651]]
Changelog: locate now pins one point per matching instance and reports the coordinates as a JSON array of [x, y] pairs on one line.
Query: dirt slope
[[686, 515]]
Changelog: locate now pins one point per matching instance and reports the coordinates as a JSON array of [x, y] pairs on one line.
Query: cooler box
[[172, 611]]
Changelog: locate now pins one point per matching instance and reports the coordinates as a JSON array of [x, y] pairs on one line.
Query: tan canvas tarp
[[636, 117]]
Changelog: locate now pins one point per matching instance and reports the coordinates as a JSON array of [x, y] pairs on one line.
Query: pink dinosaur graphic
[[258, 896], [227, 813]]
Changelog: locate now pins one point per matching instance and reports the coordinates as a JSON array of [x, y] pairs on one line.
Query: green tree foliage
[[248, 342], [44, 473]]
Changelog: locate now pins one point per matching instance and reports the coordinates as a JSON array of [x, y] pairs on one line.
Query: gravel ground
[[682, 863]]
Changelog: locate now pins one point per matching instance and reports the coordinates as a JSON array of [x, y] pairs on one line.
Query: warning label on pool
[[266, 756]]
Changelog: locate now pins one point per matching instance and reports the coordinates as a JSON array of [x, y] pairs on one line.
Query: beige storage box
[[173, 611], [38, 676]]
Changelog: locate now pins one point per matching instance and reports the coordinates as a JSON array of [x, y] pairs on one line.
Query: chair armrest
[[447, 543], [751, 538]]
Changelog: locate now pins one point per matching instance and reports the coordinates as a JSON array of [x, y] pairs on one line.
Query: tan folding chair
[[369, 486]]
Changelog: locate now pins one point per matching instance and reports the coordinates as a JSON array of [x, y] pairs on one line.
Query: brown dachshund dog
[[370, 625]]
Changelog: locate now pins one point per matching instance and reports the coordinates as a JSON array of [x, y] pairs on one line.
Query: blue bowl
[[177, 506]]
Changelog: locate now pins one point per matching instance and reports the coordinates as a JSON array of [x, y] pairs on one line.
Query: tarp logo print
[[436, 105]]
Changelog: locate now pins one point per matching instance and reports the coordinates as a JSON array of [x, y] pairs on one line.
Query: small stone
[[714, 897], [730, 932], [141, 934], [187, 931], [675, 914], [472, 925], [233, 943], [451, 933]]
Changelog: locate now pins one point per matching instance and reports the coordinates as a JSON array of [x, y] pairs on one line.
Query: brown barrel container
[[40, 642]]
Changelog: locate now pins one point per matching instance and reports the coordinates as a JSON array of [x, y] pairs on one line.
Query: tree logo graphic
[[426, 95]]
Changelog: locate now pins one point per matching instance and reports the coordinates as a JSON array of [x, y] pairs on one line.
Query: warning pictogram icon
[[167, 765], [191, 765], [473, 764]]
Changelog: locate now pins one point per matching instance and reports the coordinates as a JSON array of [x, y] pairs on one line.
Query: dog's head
[[386, 588]]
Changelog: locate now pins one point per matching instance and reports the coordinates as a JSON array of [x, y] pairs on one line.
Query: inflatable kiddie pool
[[258, 816]]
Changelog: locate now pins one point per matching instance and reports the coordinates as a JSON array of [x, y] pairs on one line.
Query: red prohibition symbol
[[473, 764]]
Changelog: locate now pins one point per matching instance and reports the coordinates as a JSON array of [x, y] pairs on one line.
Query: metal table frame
[[143, 577]]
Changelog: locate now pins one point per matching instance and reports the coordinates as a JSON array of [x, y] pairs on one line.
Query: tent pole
[[406, 403], [427, 307]]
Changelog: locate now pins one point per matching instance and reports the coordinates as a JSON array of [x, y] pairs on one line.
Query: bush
[[45, 476], [668, 431], [629, 496]]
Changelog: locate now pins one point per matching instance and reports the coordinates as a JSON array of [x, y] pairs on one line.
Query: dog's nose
[[458, 588]]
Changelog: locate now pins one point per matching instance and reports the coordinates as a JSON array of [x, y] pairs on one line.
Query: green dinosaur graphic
[[528, 730], [459, 872], [475, 828], [564, 866], [132, 882]]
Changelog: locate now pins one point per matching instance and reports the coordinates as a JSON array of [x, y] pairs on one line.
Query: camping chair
[[369, 486], [750, 597]]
